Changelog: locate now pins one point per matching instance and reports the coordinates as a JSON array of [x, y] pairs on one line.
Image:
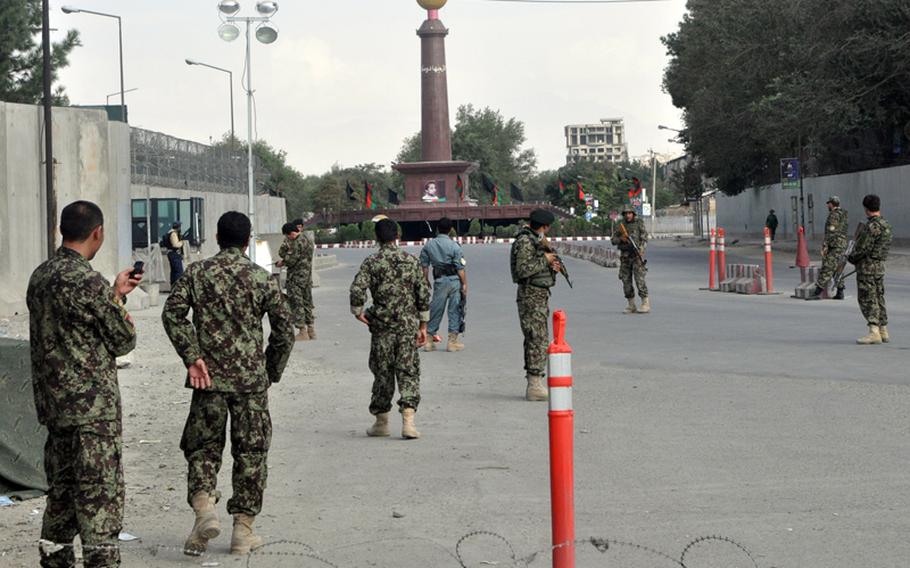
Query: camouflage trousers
[[85, 474], [871, 296], [394, 359], [630, 267], [300, 298], [533, 313], [204, 439], [829, 267]]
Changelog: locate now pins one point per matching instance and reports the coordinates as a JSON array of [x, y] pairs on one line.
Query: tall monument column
[[436, 144]]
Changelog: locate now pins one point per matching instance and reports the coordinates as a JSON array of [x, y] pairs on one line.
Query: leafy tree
[[474, 228], [21, 60]]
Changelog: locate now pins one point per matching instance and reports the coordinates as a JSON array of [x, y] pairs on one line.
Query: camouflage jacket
[[528, 261], [836, 230], [401, 295], [297, 255], [872, 247], [637, 232], [77, 332], [229, 296]]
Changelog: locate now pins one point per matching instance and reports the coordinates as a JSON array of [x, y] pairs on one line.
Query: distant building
[[603, 142]]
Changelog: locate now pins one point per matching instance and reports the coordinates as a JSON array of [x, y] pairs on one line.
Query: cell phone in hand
[[138, 269]]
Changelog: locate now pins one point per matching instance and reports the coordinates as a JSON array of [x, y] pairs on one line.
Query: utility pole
[[653, 189], [51, 194]]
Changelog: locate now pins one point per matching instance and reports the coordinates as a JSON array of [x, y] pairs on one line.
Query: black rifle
[[626, 237], [463, 311], [562, 267], [839, 275]]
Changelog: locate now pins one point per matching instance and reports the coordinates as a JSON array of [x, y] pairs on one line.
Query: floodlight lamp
[[266, 33], [191, 62], [229, 7], [228, 32], [69, 10], [266, 7]]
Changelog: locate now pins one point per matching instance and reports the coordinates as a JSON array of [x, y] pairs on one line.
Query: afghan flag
[[393, 197], [515, 193], [581, 191], [562, 187], [491, 188], [349, 190], [636, 188], [459, 185], [368, 195]]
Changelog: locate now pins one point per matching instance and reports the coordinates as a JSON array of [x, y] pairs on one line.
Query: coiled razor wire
[[268, 553]]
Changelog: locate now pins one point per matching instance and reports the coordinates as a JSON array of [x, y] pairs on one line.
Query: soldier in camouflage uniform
[[78, 328], [836, 238], [534, 269], [400, 312], [296, 254], [869, 255], [230, 375], [630, 265]]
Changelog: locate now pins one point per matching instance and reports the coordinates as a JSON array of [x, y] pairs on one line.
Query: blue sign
[[789, 173]]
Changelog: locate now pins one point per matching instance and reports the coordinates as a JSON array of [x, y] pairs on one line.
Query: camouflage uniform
[[534, 276], [229, 296], [297, 255], [401, 301], [77, 332], [629, 265], [836, 238], [869, 256]]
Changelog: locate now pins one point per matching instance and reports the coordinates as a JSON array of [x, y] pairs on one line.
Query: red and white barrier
[[562, 446], [769, 262], [712, 262], [721, 255]]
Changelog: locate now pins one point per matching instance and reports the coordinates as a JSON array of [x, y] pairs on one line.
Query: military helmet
[[628, 209]]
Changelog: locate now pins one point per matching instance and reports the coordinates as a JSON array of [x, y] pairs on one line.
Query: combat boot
[[816, 294], [883, 331], [432, 340], [874, 337], [206, 526], [840, 294], [454, 345], [311, 331], [645, 307], [536, 390], [631, 308], [380, 428], [242, 539], [408, 430], [302, 335]]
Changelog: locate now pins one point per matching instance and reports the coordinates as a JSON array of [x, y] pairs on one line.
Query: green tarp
[[21, 437]]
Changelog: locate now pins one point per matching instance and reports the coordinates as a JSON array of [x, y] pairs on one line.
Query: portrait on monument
[[434, 191]]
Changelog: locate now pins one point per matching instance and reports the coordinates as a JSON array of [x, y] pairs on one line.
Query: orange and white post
[[769, 261], [721, 256], [712, 262], [562, 446]]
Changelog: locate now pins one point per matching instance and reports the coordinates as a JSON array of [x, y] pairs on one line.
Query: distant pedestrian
[[771, 223], [631, 237], [398, 326], [534, 269], [78, 328], [175, 251], [444, 257], [296, 254], [835, 245], [222, 349], [869, 255]]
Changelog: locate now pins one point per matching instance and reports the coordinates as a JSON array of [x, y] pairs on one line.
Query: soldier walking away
[[631, 237], [534, 270], [78, 328], [771, 223], [869, 256], [400, 311], [230, 376], [450, 283], [175, 252], [297, 255], [834, 247]]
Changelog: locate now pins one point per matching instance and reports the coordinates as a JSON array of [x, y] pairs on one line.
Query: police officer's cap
[[542, 217], [834, 200]]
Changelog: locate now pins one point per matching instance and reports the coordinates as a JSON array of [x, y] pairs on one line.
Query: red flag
[[496, 195], [562, 187], [459, 185], [581, 191], [636, 188], [368, 192]]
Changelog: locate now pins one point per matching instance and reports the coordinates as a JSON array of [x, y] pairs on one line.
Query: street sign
[[789, 173], [637, 205], [646, 210], [588, 216]]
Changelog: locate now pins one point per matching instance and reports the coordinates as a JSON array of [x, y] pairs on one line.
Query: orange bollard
[[769, 261], [562, 469], [712, 262], [721, 256], [802, 249]]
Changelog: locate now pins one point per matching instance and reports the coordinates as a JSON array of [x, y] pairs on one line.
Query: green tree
[[21, 61], [474, 228]]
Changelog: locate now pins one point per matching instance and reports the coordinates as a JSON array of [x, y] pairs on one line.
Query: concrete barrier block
[[153, 290], [137, 300]]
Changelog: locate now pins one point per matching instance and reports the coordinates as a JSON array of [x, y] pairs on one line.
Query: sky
[[342, 83]]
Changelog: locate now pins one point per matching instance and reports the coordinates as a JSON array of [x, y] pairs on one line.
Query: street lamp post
[[71, 10], [265, 33], [107, 98], [230, 84]]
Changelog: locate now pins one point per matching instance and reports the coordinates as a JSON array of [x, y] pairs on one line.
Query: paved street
[[755, 418]]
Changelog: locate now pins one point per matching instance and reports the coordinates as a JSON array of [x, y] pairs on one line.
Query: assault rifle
[[562, 267], [463, 311], [626, 237], [839, 275]]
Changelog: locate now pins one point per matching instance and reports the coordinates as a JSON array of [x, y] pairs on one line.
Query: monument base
[[432, 183]]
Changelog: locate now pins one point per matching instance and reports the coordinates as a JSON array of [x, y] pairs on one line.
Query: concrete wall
[[92, 162], [271, 212], [745, 214]]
